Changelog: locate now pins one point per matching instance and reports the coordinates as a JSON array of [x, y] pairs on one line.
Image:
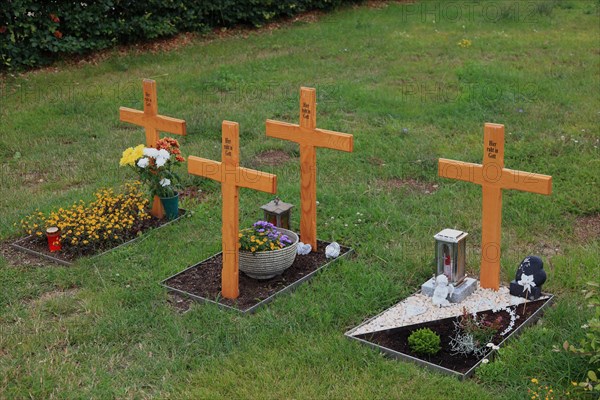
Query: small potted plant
[[156, 168], [265, 250]]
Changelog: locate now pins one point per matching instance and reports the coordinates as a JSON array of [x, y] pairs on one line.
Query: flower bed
[[109, 221], [202, 282], [461, 351]]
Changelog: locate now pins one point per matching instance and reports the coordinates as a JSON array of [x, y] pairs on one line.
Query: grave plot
[[455, 323], [389, 331], [218, 279], [272, 258], [114, 218], [90, 229], [202, 281]]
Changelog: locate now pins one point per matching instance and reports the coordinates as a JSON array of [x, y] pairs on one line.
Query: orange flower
[[54, 18], [58, 34]]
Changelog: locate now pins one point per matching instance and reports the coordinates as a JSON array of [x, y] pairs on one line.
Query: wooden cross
[[152, 123], [493, 177], [309, 137], [232, 177]]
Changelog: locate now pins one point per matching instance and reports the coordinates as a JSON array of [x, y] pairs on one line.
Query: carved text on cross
[[493, 178], [232, 177], [309, 137]]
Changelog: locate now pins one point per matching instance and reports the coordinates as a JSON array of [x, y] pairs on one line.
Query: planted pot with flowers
[[266, 251], [156, 168]]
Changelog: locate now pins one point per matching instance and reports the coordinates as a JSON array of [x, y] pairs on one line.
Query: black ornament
[[531, 265]]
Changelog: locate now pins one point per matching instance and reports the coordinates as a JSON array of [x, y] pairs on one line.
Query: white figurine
[[442, 291]]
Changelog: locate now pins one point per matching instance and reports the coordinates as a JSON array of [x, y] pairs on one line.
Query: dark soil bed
[[39, 246], [397, 339], [204, 279]]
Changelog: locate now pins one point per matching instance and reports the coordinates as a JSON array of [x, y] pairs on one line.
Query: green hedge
[[35, 33]]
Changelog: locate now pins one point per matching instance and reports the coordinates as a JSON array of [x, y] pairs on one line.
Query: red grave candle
[[53, 235]]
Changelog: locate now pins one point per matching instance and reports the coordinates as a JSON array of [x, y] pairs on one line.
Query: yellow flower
[[130, 155], [533, 380], [464, 43]]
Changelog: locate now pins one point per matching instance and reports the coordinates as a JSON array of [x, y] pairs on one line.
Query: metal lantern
[[278, 213], [450, 252]]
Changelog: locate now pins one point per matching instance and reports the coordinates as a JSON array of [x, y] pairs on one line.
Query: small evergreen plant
[[424, 341]]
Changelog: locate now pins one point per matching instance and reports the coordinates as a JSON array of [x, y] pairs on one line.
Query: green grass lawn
[[397, 79]]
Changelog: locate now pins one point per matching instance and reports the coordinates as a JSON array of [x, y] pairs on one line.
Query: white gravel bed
[[418, 308]]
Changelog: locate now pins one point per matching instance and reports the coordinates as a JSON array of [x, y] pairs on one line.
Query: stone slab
[[461, 292]]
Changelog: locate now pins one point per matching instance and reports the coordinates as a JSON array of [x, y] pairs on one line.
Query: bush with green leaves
[[424, 341], [35, 33]]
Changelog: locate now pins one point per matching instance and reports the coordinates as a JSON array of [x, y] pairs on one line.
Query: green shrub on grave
[[35, 33], [424, 341]]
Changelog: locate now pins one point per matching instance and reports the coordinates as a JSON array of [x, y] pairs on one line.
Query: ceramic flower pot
[[171, 206], [267, 264]]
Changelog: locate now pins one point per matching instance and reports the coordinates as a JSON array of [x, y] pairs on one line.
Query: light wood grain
[[152, 123], [309, 137], [493, 178], [232, 177]]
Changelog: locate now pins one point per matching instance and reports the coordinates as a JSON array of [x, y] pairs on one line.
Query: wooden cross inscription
[[232, 177], [309, 137], [152, 123], [493, 178]]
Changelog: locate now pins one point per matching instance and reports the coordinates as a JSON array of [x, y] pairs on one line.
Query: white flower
[[485, 361], [585, 326], [165, 182], [493, 346], [143, 162], [161, 161], [527, 282], [150, 152], [332, 250], [164, 154], [31, 14], [303, 248]]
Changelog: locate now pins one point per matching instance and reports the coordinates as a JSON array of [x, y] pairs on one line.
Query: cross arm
[[460, 170], [526, 181], [252, 179], [313, 137], [158, 122], [493, 177], [205, 168]]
